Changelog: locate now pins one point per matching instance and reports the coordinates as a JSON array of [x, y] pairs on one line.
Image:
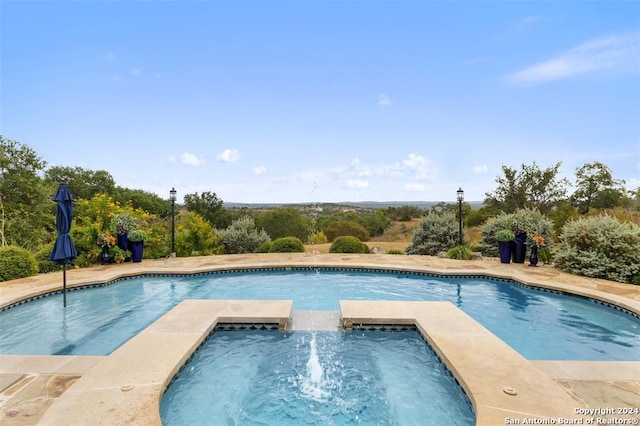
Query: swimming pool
[[537, 324], [263, 377]]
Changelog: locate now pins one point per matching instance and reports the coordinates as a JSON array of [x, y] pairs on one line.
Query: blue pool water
[[537, 324], [303, 378]]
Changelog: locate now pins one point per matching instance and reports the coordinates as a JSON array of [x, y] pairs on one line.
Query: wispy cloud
[[415, 187], [383, 100], [521, 26], [191, 159], [228, 156], [618, 53], [480, 169], [356, 184], [259, 171], [136, 71]]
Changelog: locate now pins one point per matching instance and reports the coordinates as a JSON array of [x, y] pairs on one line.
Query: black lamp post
[[460, 194], [172, 197]]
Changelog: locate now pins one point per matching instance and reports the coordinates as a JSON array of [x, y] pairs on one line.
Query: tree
[[147, 201], [27, 212], [210, 207], [285, 222], [596, 187], [82, 183], [530, 187]]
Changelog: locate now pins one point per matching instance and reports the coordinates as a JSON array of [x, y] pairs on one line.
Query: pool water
[[270, 377], [539, 325]]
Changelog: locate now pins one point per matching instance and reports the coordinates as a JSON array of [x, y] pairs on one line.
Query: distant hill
[[354, 204]]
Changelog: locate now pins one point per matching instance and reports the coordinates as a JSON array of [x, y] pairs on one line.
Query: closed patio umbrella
[[64, 251]]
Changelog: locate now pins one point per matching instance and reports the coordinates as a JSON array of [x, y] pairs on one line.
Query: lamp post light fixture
[[172, 197], [460, 196]]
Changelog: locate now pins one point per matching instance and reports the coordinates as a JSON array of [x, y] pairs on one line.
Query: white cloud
[[418, 166], [618, 53], [415, 187], [228, 155], [356, 184], [383, 100], [191, 159], [259, 171], [480, 169]]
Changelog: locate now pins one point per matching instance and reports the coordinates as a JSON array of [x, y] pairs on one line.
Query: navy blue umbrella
[[64, 251]]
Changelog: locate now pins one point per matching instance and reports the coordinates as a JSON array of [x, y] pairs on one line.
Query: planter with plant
[[505, 239], [136, 244], [121, 224]]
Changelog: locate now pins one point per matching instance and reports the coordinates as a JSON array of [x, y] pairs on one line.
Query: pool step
[[314, 321]]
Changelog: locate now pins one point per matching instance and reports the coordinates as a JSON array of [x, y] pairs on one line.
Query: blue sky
[[323, 101]]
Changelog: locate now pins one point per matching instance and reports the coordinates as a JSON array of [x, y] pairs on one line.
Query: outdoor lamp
[[172, 197], [460, 196]]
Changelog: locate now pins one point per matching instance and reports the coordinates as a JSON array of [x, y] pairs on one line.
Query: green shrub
[[521, 221], [600, 247], [436, 232], [460, 253], [16, 262], [317, 238], [42, 258], [346, 228], [287, 245], [242, 236], [394, 251], [544, 255], [348, 244], [264, 247]]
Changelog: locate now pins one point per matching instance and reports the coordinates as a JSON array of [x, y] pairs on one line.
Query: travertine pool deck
[[125, 387]]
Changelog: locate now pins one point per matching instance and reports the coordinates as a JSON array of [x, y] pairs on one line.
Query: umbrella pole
[[64, 285]]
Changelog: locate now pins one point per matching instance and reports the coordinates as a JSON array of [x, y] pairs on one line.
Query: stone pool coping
[[467, 349]]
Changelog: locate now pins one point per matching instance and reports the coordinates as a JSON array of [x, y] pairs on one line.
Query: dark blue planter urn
[[519, 248], [504, 247], [136, 248]]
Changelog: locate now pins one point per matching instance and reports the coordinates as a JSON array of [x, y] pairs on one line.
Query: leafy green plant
[[137, 235], [394, 251], [16, 262], [287, 245], [436, 232], [545, 255], [317, 238], [505, 235], [600, 247], [460, 253], [348, 244]]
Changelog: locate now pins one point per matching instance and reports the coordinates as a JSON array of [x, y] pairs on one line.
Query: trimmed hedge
[[348, 244], [16, 262], [286, 245]]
